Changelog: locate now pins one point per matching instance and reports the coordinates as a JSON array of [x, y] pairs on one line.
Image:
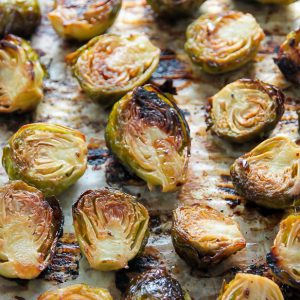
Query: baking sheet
[[209, 179]]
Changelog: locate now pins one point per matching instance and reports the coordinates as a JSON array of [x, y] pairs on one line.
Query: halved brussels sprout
[[280, 2], [175, 8], [156, 284], [20, 17], [111, 228], [109, 66], [83, 19], [149, 135], [47, 156], [284, 258], [223, 42], [21, 76], [250, 287], [202, 236], [77, 292], [30, 226], [288, 59], [269, 174], [246, 109]]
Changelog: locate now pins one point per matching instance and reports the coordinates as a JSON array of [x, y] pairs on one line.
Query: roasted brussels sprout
[[156, 284], [174, 8], [21, 76], [288, 59], [250, 287], [30, 228], [111, 228], [284, 259], [84, 19], [245, 109], [47, 156], [77, 292], [149, 135], [280, 2], [269, 174], [109, 66], [219, 43], [203, 236], [20, 17]]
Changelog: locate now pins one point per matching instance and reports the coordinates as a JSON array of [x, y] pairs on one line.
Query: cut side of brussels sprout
[[149, 135], [284, 258], [288, 59], [77, 292], [30, 226], [47, 156], [111, 228], [109, 66], [203, 236], [21, 76], [83, 19], [269, 174], [156, 284], [245, 109], [219, 43], [20, 17], [250, 287]]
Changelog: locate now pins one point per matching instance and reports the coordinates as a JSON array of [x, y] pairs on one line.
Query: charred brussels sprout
[[20, 17], [149, 135], [30, 228], [203, 236], [269, 174], [77, 292], [284, 258], [21, 76], [109, 66], [250, 287], [47, 156], [245, 109], [288, 59], [219, 43], [83, 19], [155, 284], [111, 228]]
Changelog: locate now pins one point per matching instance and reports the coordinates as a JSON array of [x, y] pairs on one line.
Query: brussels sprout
[[250, 287], [20, 17], [155, 284], [149, 135], [30, 228], [280, 2], [174, 8], [111, 228], [21, 76], [77, 292], [83, 19], [109, 66], [284, 259], [219, 43], [246, 109], [47, 156], [203, 236], [288, 59], [269, 174]]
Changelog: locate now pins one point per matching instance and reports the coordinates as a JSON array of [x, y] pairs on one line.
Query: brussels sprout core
[[109, 66], [223, 42], [49, 157], [250, 287], [269, 174], [203, 236], [148, 133], [30, 227], [83, 19], [111, 228], [246, 109]]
